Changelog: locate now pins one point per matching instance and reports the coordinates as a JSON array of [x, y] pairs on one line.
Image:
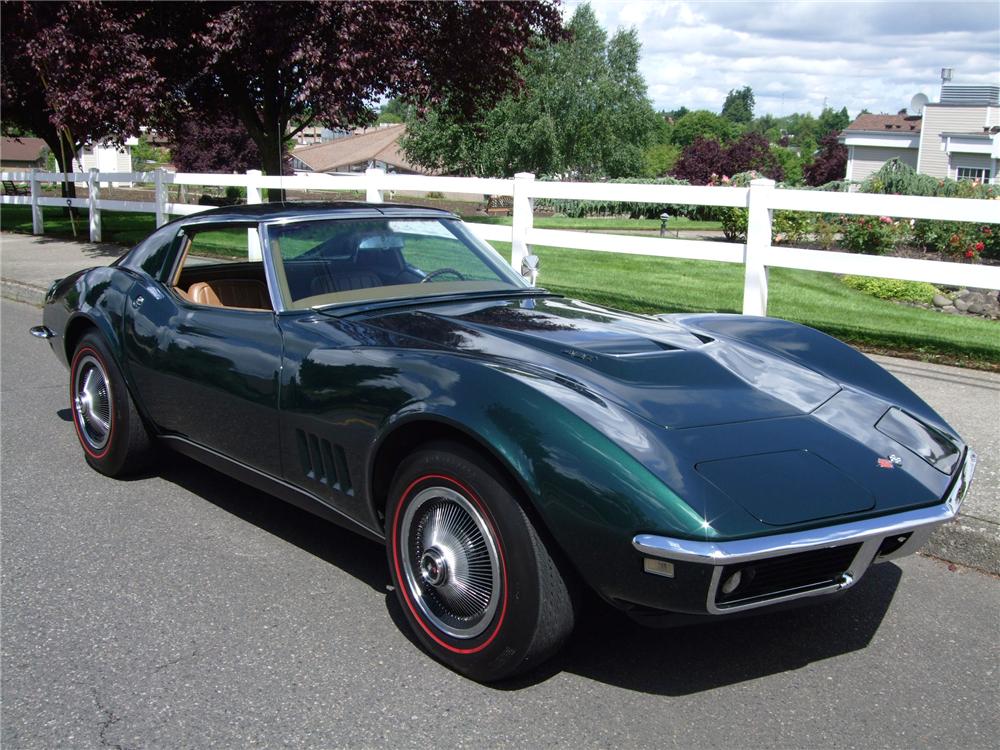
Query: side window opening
[[214, 271]]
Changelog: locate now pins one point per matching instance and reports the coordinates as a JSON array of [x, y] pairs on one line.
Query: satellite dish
[[917, 104]]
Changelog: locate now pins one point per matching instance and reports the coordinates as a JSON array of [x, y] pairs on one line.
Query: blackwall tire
[[114, 439], [477, 584]]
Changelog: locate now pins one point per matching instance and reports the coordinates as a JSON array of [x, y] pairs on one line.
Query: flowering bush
[[958, 240], [787, 228], [870, 235]]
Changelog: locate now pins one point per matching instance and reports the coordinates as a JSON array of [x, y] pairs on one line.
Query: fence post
[[160, 197], [253, 191], [758, 241], [254, 250], [373, 194], [37, 221], [93, 195], [522, 220]]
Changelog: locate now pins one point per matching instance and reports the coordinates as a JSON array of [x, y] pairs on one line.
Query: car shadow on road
[[609, 647], [351, 552], [606, 646]]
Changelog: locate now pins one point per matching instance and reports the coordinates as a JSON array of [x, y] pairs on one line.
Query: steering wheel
[[440, 272]]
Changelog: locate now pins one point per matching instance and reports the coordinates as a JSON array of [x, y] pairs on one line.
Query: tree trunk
[[272, 164], [63, 153]]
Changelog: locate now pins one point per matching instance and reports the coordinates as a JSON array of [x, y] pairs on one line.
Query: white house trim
[[882, 140]]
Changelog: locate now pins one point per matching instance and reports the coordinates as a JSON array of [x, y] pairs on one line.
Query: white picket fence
[[756, 255]]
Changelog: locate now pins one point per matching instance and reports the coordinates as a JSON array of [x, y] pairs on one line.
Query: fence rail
[[757, 254]]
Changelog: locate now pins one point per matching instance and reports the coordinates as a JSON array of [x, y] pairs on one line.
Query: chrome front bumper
[[870, 534]]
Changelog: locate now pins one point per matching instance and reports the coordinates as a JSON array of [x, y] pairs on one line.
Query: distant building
[[957, 137], [105, 158], [23, 153], [314, 134], [371, 147]]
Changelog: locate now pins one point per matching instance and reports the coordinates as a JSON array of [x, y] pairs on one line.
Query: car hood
[[656, 369]]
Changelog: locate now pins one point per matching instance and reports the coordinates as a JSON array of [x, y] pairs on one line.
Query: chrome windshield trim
[[743, 550], [270, 272]]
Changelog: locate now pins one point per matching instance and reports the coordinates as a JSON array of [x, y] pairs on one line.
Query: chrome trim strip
[[743, 550], [270, 274]]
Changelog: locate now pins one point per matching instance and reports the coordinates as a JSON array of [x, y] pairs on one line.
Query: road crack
[[171, 662], [110, 719]]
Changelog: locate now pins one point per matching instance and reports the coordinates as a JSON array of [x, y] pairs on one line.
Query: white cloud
[[798, 55]]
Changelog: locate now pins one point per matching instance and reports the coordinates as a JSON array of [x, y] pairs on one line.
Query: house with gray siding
[[957, 137]]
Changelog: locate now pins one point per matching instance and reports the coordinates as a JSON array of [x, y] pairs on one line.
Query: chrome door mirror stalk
[[529, 268]]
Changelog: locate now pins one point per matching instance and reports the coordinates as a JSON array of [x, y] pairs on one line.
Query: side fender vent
[[324, 462]]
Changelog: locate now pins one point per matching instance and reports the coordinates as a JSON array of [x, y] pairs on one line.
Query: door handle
[[137, 302]]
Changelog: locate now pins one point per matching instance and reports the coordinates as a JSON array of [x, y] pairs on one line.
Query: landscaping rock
[[950, 309], [941, 301], [977, 308], [961, 304]]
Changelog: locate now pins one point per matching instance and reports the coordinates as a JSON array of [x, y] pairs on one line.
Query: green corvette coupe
[[382, 367]]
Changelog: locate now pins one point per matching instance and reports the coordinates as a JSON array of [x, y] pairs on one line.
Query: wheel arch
[[78, 327], [408, 435]]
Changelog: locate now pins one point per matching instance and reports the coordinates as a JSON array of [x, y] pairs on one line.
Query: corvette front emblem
[[891, 462]]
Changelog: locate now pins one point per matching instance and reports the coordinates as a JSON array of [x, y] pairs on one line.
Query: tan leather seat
[[345, 282], [246, 293]]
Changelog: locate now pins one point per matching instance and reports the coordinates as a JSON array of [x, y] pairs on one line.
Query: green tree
[[791, 164], [392, 112], [583, 110], [146, 156], [701, 124], [831, 121], [659, 159], [738, 107]]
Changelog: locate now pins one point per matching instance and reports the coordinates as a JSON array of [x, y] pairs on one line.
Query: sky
[[798, 55]]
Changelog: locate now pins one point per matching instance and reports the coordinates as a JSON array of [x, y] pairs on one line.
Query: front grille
[[778, 576]]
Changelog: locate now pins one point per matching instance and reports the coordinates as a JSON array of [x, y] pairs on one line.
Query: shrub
[[787, 227], [577, 209], [893, 289], [958, 240], [870, 235]]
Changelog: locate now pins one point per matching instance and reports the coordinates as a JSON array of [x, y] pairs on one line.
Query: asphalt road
[[187, 610]]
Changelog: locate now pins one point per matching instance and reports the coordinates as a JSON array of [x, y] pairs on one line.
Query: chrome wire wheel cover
[[92, 402], [450, 562]]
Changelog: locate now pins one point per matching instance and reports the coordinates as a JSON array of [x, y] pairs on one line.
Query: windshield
[[347, 261]]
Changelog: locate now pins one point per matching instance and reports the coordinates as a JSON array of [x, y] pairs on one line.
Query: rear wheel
[[113, 437], [474, 578]]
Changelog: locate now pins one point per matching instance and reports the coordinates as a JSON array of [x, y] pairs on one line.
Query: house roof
[[900, 123], [21, 149], [376, 144]]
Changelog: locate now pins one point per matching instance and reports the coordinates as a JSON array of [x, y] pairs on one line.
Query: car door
[[207, 372]]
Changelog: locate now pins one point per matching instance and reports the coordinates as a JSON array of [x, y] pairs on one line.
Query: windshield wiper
[[354, 308]]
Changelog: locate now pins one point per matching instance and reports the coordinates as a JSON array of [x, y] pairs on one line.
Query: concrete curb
[[968, 541], [22, 292]]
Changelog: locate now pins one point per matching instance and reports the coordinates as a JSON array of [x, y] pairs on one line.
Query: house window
[[974, 173]]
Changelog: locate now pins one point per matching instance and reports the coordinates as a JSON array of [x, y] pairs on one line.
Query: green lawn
[[119, 227], [653, 285], [595, 224]]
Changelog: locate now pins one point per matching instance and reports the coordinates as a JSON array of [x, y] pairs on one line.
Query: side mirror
[[529, 268]]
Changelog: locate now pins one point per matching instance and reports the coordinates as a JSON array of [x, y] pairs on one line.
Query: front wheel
[[111, 432], [474, 578]]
